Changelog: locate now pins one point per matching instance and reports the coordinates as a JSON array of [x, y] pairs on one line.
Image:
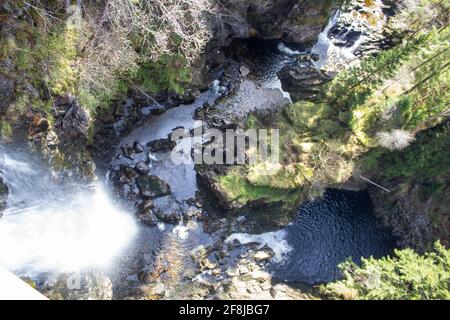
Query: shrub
[[405, 275]]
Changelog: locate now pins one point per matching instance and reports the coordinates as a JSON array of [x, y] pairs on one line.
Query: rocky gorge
[[173, 229]]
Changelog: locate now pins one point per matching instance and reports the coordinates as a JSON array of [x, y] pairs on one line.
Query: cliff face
[[289, 20], [417, 207]]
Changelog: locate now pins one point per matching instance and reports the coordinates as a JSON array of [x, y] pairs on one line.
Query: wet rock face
[[302, 81], [6, 93], [141, 168], [143, 190], [407, 213], [290, 20], [355, 30], [4, 190], [146, 213], [239, 272], [152, 186]]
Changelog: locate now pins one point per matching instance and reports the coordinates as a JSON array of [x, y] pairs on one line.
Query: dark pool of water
[[263, 57], [329, 230]]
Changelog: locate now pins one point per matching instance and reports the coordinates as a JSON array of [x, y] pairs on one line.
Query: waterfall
[[347, 31], [331, 56], [48, 227]]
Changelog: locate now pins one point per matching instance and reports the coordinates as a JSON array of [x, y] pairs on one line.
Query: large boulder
[[302, 81], [73, 120], [152, 186], [161, 145], [6, 93], [145, 213], [141, 167], [38, 124], [290, 20]]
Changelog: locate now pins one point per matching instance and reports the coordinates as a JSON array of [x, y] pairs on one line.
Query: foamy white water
[[286, 50], [275, 240], [47, 228]]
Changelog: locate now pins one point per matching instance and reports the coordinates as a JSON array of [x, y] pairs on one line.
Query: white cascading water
[[332, 57], [288, 51], [49, 228], [360, 26]]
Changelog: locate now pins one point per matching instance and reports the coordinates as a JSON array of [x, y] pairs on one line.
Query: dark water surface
[[329, 230]]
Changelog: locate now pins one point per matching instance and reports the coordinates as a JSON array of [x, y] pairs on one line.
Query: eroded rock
[[128, 151], [161, 145], [146, 214], [38, 124], [152, 186], [6, 92], [302, 81]]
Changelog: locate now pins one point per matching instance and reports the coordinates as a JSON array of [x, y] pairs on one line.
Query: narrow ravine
[[144, 226]]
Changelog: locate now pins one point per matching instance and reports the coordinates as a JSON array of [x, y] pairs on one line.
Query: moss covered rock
[[152, 186]]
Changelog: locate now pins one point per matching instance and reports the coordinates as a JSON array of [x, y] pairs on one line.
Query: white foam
[[274, 240], [182, 231], [161, 226], [332, 57], [85, 232], [286, 50]]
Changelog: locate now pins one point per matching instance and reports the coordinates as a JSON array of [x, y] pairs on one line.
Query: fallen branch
[[375, 184]]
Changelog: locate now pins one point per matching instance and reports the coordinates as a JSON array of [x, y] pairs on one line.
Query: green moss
[[59, 162], [241, 191], [426, 156], [101, 100], [170, 73], [91, 133], [252, 122], [55, 54], [21, 103], [5, 129], [304, 116], [43, 61], [47, 57]]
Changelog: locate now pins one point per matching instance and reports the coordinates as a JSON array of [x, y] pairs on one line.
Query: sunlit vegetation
[[385, 101], [405, 275], [97, 53]]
